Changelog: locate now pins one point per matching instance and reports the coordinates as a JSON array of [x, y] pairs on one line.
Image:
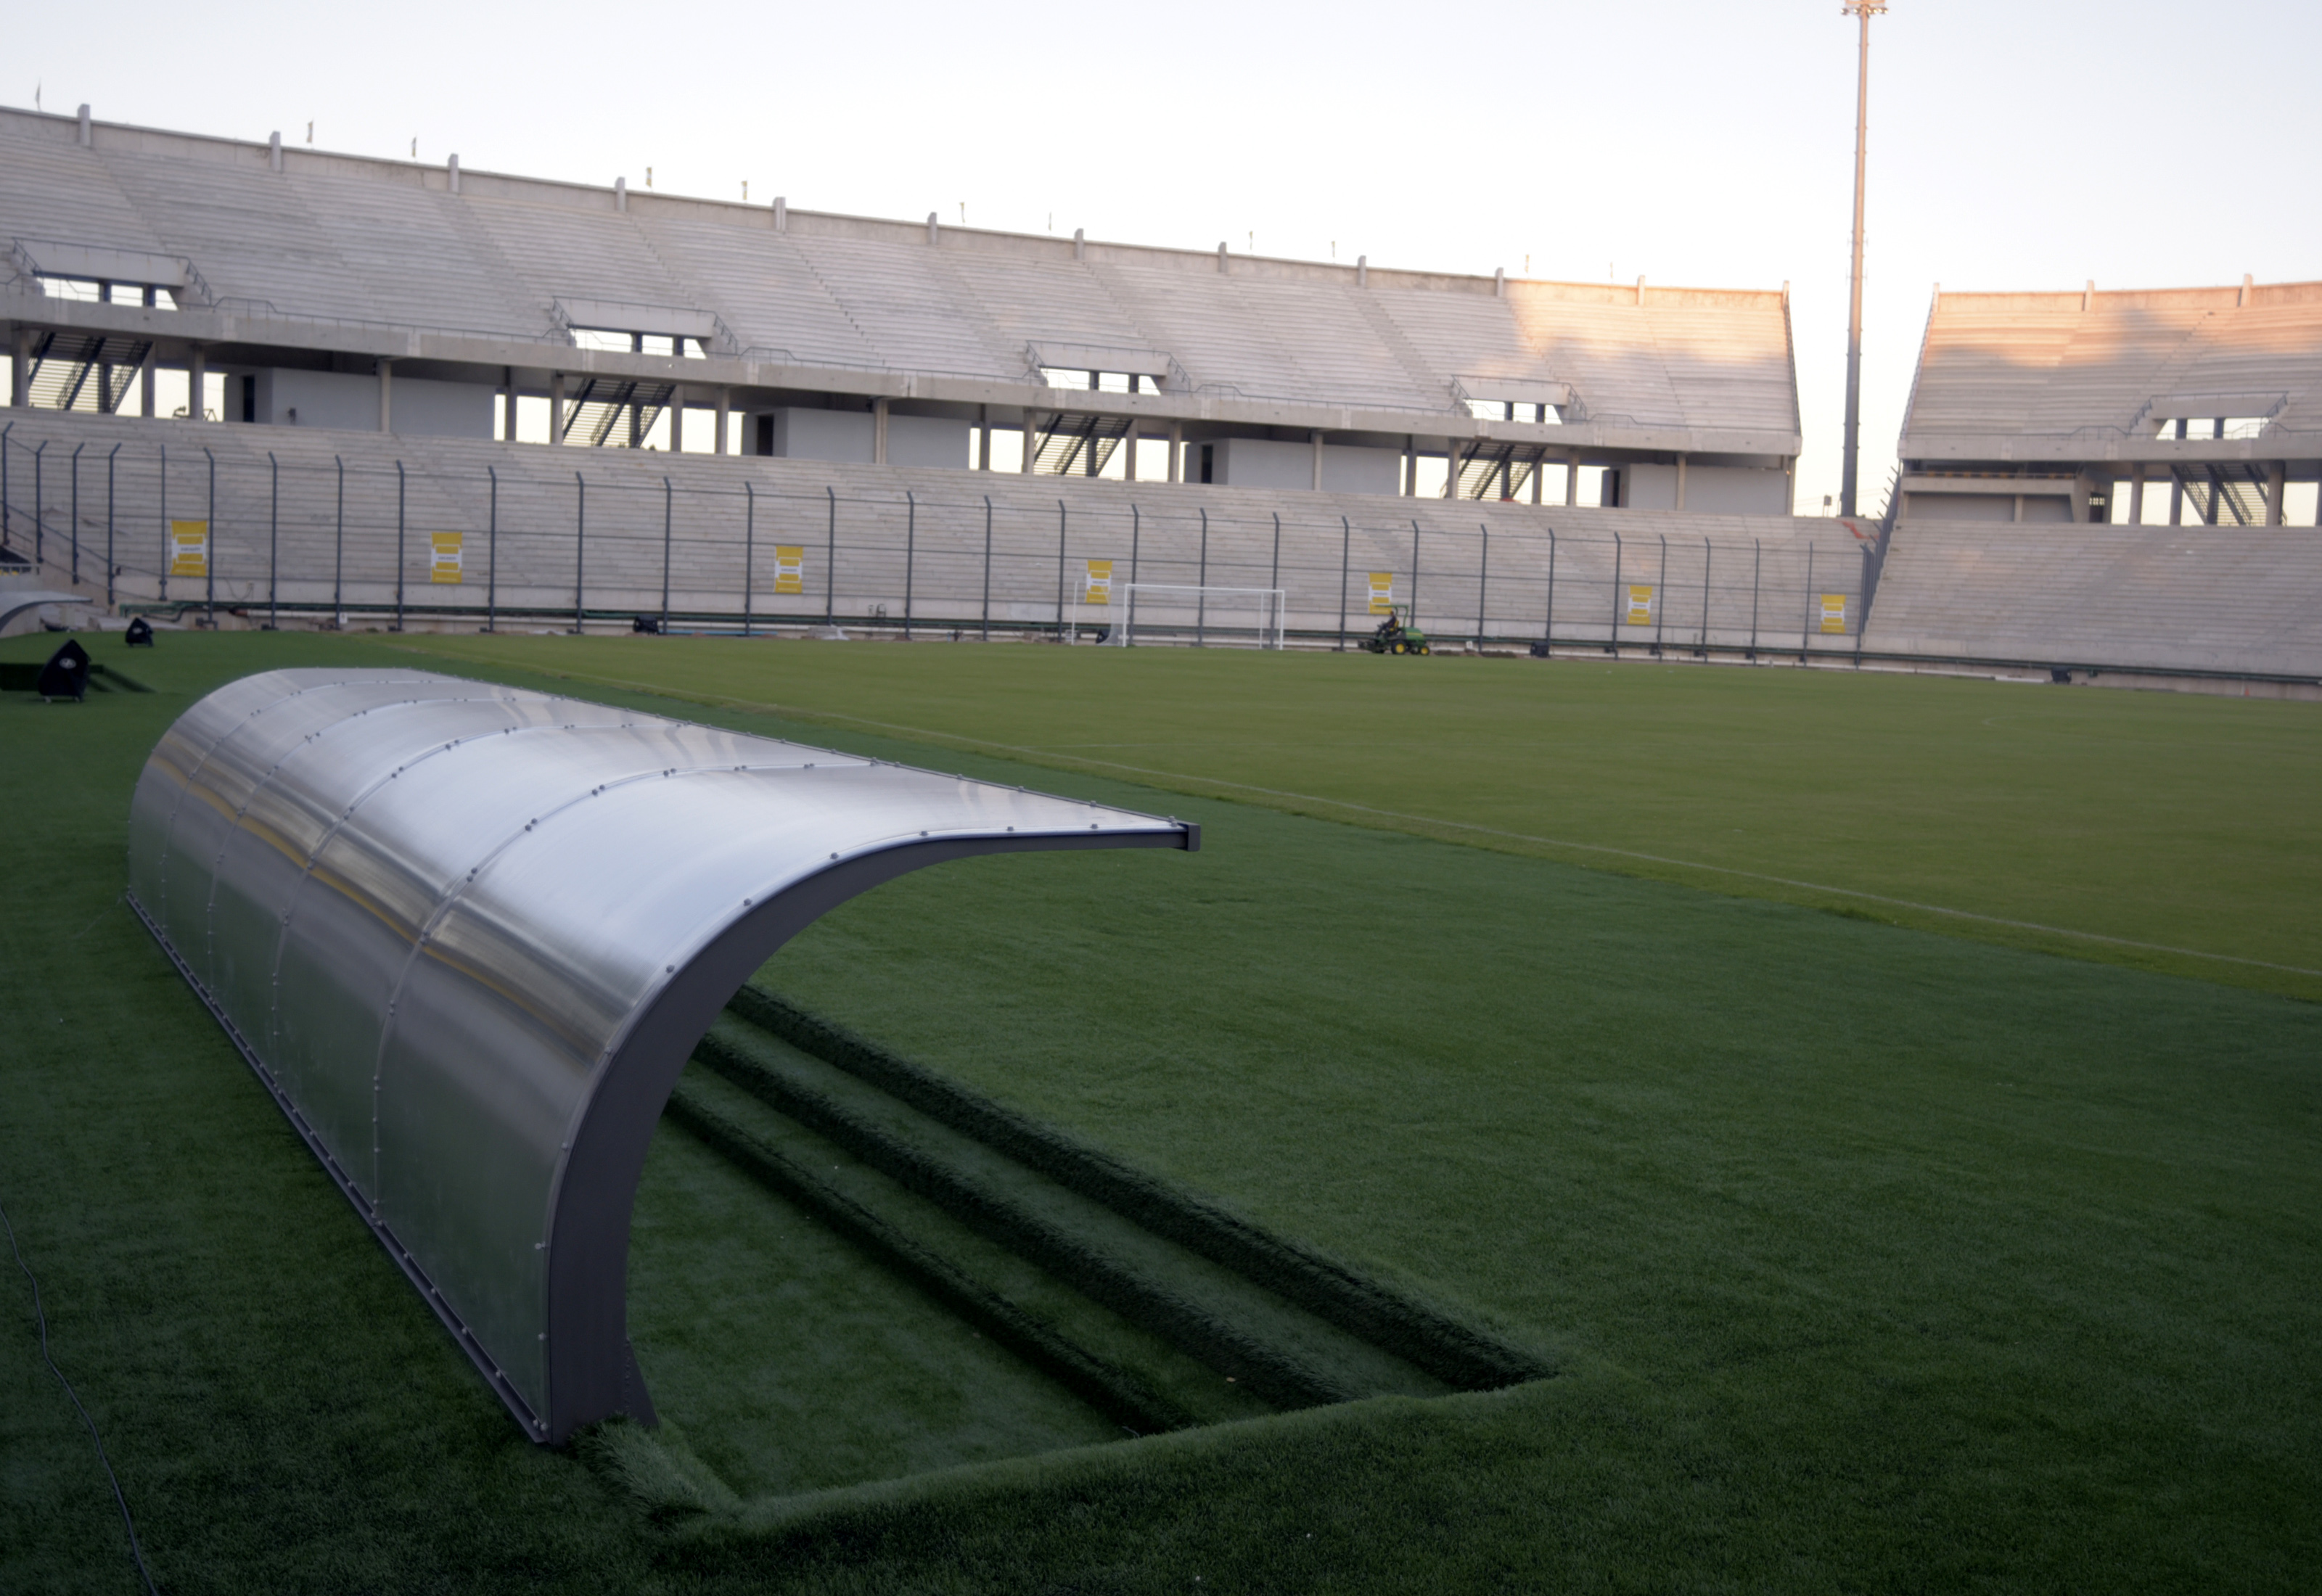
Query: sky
[[2035, 145]]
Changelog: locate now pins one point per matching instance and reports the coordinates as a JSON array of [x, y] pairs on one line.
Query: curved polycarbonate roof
[[469, 935]]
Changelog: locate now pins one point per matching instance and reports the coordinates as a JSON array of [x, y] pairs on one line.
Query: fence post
[[1660, 596], [1346, 557], [209, 565], [110, 568], [749, 553], [339, 558], [273, 542], [1614, 647], [1274, 578], [1060, 570], [1414, 554], [1483, 587], [1705, 553], [668, 497], [1805, 622], [492, 556], [1756, 564], [1136, 536], [161, 587], [73, 525], [987, 567], [1547, 629], [830, 563], [398, 544], [911, 553], [580, 555], [1202, 581]]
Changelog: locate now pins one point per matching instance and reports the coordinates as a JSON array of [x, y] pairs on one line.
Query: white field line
[[1517, 836]]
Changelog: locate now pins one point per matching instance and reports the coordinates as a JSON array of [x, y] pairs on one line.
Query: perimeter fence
[[298, 535]]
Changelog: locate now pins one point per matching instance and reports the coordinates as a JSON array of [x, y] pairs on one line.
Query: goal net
[[1212, 617]]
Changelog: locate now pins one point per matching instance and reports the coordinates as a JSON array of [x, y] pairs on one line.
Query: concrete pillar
[[556, 407], [20, 361], [676, 421], [274, 153], [85, 135], [1177, 452], [1499, 282], [2276, 475], [2019, 507], [145, 382], [1450, 468], [724, 416], [1318, 461], [1129, 461], [452, 172], [983, 437], [1571, 478], [1080, 243], [1362, 271], [508, 393], [2136, 494], [1221, 257], [781, 215], [197, 374], [1031, 440], [386, 396], [1680, 481], [1539, 471], [934, 231], [879, 431], [620, 193]]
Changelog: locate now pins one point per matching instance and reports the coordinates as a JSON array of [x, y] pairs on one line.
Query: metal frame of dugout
[[468, 936]]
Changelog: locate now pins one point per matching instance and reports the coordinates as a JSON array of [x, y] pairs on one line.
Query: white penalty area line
[[1489, 831]]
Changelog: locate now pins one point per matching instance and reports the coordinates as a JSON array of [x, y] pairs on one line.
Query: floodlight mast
[[1850, 469]]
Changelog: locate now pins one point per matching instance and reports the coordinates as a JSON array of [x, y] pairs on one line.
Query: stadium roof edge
[[586, 196]]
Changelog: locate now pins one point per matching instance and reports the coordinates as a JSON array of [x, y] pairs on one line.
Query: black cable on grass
[[41, 1316]]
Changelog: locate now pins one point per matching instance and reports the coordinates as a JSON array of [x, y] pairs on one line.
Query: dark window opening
[[1208, 463]]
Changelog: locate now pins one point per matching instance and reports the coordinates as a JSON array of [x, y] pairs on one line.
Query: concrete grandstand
[[457, 399]]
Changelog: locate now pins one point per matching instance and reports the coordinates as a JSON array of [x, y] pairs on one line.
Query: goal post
[[1203, 616]]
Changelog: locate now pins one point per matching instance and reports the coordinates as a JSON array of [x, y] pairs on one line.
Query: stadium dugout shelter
[[468, 936]]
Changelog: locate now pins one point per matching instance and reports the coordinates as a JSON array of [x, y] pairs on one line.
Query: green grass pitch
[[1969, 1236]]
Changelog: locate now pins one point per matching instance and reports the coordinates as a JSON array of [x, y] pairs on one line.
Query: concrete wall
[[2043, 508], [417, 407], [1710, 491], [1264, 463], [845, 435]]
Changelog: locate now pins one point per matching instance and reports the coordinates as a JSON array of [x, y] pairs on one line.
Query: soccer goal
[[1212, 618]]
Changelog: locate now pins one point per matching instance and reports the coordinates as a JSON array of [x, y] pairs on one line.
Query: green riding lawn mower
[[1393, 637]]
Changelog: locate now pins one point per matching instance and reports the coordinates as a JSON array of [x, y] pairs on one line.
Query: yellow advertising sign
[[445, 565], [1833, 614], [1640, 606], [789, 568], [1097, 588], [189, 548], [1382, 592]]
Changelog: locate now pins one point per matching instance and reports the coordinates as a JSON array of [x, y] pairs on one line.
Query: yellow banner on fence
[[445, 566], [1833, 614], [1640, 606], [1382, 592], [1097, 588], [789, 568], [189, 548]]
